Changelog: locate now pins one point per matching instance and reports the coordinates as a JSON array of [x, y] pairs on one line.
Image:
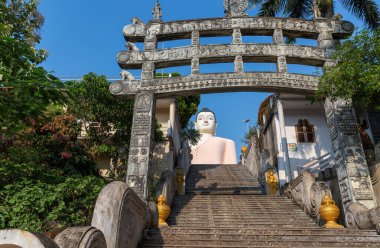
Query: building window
[[305, 132]]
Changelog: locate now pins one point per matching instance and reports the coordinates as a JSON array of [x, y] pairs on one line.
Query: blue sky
[[85, 36]]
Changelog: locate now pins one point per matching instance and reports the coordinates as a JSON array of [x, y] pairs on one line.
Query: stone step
[[245, 225], [237, 197], [315, 231], [239, 237], [239, 219], [232, 207], [257, 243], [223, 207], [222, 192]]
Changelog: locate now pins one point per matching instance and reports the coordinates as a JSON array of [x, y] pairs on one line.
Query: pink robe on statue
[[215, 150]]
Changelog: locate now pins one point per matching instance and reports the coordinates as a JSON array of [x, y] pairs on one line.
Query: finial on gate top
[[234, 8], [316, 10], [157, 12]]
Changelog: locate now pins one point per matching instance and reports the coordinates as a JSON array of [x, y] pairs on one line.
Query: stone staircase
[[223, 207]]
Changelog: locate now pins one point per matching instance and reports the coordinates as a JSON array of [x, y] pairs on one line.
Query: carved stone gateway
[[352, 170]]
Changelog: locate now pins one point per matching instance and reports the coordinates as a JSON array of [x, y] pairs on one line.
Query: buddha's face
[[206, 122]]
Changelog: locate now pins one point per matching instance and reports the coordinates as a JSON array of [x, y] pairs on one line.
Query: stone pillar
[[195, 66], [239, 64], [150, 42], [351, 166], [140, 149], [284, 141], [325, 40], [236, 37], [148, 70], [281, 64], [278, 37], [195, 38]]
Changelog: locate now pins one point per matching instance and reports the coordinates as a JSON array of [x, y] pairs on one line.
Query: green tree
[[187, 105], [46, 176], [106, 120], [25, 88], [366, 10], [250, 134], [356, 75]]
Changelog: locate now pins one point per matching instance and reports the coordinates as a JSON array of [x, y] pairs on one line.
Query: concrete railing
[[319, 164]]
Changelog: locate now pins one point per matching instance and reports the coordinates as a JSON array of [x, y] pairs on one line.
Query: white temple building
[[295, 133]]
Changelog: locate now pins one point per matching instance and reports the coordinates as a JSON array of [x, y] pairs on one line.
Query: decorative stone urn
[[330, 213], [163, 211], [244, 149]]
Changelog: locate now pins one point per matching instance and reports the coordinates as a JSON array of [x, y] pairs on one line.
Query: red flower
[[66, 155]]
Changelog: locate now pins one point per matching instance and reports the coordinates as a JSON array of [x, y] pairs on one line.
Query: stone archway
[[352, 170]]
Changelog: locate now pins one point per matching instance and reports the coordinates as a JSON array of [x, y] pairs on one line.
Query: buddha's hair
[[206, 110]]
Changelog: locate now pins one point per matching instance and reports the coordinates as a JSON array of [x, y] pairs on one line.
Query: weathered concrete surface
[[13, 238], [121, 215], [81, 237]]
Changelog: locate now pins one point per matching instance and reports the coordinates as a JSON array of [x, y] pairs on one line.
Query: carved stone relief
[[195, 38], [228, 82], [21, 238], [236, 37], [195, 66], [216, 53], [121, 215], [278, 37], [148, 69], [352, 169], [86, 237], [239, 65], [137, 31], [281, 64], [141, 144]]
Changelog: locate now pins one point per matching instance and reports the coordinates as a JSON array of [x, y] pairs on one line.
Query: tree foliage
[[250, 134], [105, 119], [187, 105], [25, 88], [46, 175], [366, 10], [356, 75]]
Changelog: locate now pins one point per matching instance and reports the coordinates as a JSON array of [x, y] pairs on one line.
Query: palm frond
[[271, 7], [298, 8], [367, 10]]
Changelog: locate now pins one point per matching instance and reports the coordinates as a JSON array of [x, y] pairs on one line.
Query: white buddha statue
[[211, 149]]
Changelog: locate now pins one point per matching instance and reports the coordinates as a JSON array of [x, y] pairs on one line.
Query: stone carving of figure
[[316, 10], [211, 149], [126, 75], [136, 20], [157, 12], [131, 46], [272, 183]]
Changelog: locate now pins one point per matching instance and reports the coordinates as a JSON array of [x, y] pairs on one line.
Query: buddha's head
[[206, 121]]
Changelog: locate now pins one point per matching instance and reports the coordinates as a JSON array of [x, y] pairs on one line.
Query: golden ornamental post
[[330, 213], [163, 211]]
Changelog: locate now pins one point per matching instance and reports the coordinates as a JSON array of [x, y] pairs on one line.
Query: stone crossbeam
[[306, 55], [223, 82], [249, 26]]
